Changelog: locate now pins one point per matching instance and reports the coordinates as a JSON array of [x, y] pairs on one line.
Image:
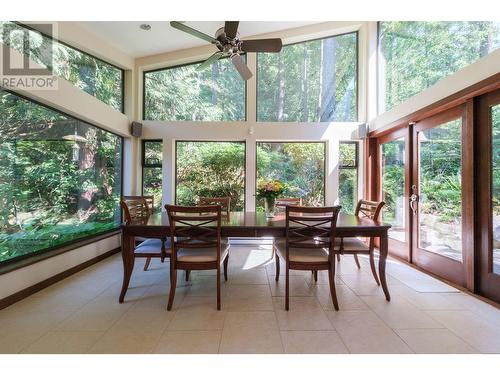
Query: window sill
[[49, 253]]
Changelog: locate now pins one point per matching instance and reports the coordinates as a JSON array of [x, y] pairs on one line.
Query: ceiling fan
[[229, 45]]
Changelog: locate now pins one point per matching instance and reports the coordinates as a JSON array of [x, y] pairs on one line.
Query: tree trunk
[[281, 91], [345, 105], [215, 76], [486, 38], [328, 79], [305, 96]]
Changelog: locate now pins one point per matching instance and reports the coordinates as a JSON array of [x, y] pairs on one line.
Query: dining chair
[[281, 203], [196, 243], [150, 200], [137, 211], [351, 245], [308, 244], [223, 202]]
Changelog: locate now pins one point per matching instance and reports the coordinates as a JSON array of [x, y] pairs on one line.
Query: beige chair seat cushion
[[301, 255], [199, 255], [351, 244], [152, 246]]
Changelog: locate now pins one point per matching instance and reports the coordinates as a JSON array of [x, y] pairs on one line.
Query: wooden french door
[[441, 194], [488, 194], [394, 151]]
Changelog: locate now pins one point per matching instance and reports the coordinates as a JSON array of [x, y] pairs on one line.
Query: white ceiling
[[128, 37]]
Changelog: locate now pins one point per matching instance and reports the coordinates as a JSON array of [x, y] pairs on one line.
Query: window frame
[[325, 162], [144, 72], [213, 141], [122, 71], [356, 32], [151, 166], [27, 259]]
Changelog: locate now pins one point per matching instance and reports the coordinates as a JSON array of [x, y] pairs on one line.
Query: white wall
[[331, 133], [75, 102]]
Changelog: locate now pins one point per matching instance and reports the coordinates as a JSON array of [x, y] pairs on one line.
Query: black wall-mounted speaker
[[136, 129]]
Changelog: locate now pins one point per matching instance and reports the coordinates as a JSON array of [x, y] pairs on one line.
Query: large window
[[348, 175], [300, 166], [415, 55], [60, 178], [88, 73], [184, 93], [210, 169], [152, 156], [309, 82]]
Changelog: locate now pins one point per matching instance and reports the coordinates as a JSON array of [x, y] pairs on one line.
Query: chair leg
[[173, 285], [218, 287], [226, 262], [372, 265], [331, 280], [315, 273], [188, 273], [357, 260], [146, 265], [287, 288], [338, 257], [277, 259]]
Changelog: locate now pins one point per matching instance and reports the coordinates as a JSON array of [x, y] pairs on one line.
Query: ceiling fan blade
[[208, 62], [262, 45], [231, 28], [190, 30], [241, 67]]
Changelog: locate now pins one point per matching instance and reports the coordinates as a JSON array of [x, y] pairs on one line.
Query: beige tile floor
[[81, 314]]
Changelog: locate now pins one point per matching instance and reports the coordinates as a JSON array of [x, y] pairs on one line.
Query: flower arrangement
[[270, 189]]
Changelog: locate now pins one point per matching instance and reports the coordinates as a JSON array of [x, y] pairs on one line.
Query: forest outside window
[[90, 74], [313, 81], [415, 55], [300, 166], [152, 175], [210, 169], [60, 179], [348, 175], [183, 93]]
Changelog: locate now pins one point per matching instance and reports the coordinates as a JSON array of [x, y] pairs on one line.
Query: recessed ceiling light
[[145, 26]]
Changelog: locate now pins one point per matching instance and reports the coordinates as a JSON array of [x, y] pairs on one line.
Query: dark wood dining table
[[251, 224]]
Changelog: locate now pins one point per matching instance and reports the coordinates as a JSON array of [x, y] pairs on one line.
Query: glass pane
[[183, 93], [440, 201], [495, 191], [60, 178], [94, 76], [153, 153], [393, 187], [309, 82], [348, 176], [152, 185], [300, 166], [210, 169], [416, 55]]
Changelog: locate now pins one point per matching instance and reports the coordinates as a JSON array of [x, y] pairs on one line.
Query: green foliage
[[46, 197], [216, 93], [418, 54], [309, 82], [393, 177], [300, 166], [211, 169], [93, 76]]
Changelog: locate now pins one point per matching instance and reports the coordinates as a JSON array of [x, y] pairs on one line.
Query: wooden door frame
[[487, 282], [398, 249], [435, 263]]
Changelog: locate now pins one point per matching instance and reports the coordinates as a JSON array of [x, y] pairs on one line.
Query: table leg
[[384, 249], [128, 244]]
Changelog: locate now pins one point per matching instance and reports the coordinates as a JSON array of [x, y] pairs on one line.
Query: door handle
[[414, 200]]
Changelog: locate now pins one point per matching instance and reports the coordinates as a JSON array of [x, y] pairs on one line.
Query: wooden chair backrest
[[223, 202], [369, 209], [135, 209], [194, 227], [311, 227], [281, 203]]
